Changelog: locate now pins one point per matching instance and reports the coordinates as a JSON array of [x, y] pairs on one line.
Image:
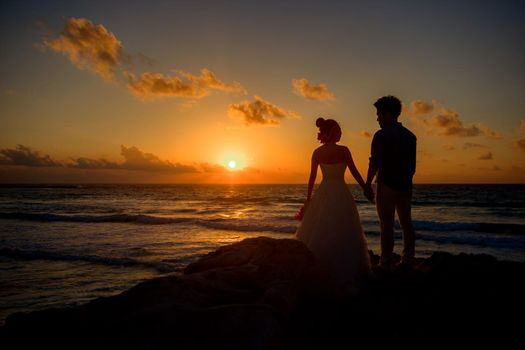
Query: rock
[[263, 293]]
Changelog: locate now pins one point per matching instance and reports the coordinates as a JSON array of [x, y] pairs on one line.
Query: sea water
[[65, 245]]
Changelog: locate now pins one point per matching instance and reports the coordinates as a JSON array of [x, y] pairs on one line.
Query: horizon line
[[70, 184]]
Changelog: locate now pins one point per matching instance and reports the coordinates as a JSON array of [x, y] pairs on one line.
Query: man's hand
[[368, 191]]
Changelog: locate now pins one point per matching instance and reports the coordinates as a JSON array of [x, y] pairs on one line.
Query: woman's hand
[[299, 216]]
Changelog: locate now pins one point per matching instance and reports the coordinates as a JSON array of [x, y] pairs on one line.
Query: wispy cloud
[[520, 143], [259, 112], [150, 85], [213, 168], [486, 156], [468, 145], [25, 156], [491, 134], [89, 46], [448, 147], [421, 107], [365, 134], [146, 60], [304, 88]]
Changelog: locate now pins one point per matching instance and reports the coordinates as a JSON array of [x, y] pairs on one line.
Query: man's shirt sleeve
[[375, 150]]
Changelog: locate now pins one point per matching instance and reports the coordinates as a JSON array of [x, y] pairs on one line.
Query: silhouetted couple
[[331, 227]]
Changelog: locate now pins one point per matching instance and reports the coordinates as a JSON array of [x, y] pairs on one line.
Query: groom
[[393, 159]]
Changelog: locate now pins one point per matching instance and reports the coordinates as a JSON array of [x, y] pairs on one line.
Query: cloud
[[258, 112], [486, 156], [213, 168], [134, 159], [146, 60], [304, 88], [421, 107], [89, 46], [365, 134], [450, 125], [93, 47], [447, 121], [25, 156], [185, 85], [491, 134], [468, 145], [521, 142], [294, 115], [449, 147], [87, 163]]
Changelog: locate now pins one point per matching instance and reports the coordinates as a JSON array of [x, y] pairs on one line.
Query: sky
[[229, 91]]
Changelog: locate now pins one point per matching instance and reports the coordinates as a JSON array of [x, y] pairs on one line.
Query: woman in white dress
[[331, 227]]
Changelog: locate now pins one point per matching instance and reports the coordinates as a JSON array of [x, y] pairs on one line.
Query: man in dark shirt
[[393, 159]]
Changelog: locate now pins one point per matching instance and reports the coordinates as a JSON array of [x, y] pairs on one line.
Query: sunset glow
[[87, 95]]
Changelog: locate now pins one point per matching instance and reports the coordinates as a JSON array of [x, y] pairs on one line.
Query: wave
[[423, 225], [114, 218], [476, 227], [502, 242], [162, 267], [278, 224], [471, 204], [462, 238], [221, 224], [245, 226]]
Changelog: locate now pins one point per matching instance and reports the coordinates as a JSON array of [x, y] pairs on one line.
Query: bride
[[331, 227]]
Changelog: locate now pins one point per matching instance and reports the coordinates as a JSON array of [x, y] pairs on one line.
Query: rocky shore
[[263, 293]]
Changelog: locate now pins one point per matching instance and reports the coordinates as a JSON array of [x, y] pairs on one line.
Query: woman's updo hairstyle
[[329, 130]]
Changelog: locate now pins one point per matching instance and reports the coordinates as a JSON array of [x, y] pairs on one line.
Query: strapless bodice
[[334, 171]]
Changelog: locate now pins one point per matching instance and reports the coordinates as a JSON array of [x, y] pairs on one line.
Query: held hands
[[368, 192]]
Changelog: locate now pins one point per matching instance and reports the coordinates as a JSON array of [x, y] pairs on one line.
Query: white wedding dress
[[331, 228]]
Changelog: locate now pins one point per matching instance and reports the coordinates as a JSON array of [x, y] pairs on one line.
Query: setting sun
[[232, 164]]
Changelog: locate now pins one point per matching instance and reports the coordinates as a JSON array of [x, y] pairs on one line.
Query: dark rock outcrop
[[264, 293]]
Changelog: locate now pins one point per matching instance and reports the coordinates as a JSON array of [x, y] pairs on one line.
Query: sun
[[232, 164], [232, 160]]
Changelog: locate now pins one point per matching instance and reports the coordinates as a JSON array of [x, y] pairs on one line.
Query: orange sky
[[88, 96]]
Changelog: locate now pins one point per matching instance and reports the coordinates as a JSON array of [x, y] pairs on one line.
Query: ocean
[[65, 245]]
